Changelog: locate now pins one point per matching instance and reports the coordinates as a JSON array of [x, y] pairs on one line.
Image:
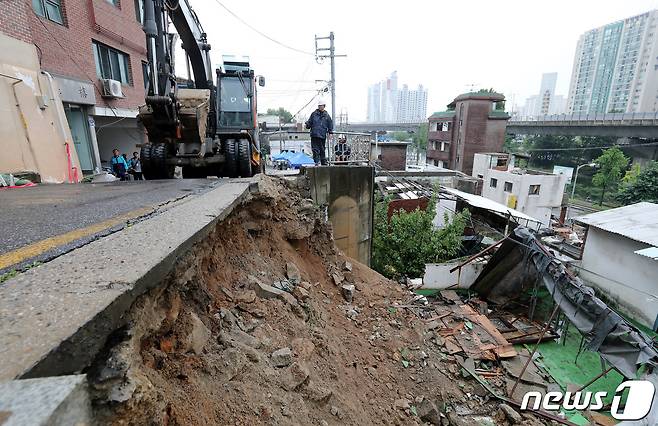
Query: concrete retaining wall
[[348, 192]]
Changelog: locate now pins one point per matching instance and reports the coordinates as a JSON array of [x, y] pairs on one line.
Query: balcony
[[439, 136], [436, 154]]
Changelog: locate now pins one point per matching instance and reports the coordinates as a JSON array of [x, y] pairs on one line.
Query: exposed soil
[[199, 347]]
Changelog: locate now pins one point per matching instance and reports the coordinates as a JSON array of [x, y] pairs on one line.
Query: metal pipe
[[151, 31]]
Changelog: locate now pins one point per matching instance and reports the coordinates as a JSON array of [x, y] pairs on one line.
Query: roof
[[483, 95], [638, 222], [443, 114], [487, 204]]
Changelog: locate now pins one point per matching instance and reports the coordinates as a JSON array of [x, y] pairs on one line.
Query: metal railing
[[598, 119], [349, 148]]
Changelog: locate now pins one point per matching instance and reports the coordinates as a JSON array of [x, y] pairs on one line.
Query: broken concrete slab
[[62, 400], [81, 297], [268, 292]]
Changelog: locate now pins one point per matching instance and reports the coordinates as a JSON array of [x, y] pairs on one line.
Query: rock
[[295, 377], [317, 393], [302, 347], [239, 336], [401, 404], [305, 285], [300, 293], [281, 357], [334, 410], [347, 266], [338, 278], [288, 298], [292, 272], [428, 412], [198, 336], [284, 285], [511, 414], [348, 292], [268, 292], [247, 296]]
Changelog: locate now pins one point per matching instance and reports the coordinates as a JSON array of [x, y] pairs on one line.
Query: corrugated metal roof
[[638, 222], [487, 204]]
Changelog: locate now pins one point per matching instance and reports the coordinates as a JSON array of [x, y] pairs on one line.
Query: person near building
[[320, 124], [136, 167], [119, 165]]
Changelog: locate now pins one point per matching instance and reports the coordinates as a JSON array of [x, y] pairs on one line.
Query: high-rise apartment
[[615, 68], [388, 104]]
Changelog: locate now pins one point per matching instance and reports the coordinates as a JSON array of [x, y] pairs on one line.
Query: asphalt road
[[42, 222]]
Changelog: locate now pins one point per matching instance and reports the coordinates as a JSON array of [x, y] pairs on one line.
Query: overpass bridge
[[389, 127], [629, 125]]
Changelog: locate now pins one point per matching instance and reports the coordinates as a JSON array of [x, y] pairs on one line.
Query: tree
[[643, 188], [282, 113], [401, 136], [405, 243], [420, 137], [610, 166]]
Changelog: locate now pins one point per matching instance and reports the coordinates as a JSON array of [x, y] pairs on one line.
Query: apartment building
[[95, 51], [389, 104], [615, 67]]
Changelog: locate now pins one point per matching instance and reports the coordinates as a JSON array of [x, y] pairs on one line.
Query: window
[[508, 187], [443, 146], [139, 11], [111, 63], [445, 126], [145, 74], [113, 2], [534, 190], [50, 9], [493, 183]]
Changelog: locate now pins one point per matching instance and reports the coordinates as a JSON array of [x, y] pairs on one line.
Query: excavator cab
[[237, 126]]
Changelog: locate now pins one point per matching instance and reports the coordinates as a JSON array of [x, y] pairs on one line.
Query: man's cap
[[321, 102]]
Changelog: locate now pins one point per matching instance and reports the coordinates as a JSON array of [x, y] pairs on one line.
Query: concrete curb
[[55, 318]]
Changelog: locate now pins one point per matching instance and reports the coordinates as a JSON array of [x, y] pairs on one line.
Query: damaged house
[[620, 258]]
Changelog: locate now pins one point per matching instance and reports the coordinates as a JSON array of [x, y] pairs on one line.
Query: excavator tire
[[244, 158], [231, 164], [146, 159], [159, 154]]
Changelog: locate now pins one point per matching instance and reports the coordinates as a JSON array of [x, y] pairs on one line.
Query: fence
[[633, 118], [349, 148]]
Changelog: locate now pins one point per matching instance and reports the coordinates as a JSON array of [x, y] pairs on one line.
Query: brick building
[[474, 122], [81, 43], [390, 155]]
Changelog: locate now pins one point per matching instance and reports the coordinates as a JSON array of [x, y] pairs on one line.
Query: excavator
[[207, 128]]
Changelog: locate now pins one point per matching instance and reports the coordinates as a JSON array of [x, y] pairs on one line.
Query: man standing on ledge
[[320, 124]]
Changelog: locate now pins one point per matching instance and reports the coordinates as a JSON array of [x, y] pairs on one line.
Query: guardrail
[[598, 119], [349, 148]]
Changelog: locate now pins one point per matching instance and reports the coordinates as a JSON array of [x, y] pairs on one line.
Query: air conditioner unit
[[112, 88]]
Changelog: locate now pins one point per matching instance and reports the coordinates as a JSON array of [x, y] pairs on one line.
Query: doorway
[[80, 133]]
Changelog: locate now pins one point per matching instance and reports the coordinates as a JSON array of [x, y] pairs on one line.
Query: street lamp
[[573, 188]]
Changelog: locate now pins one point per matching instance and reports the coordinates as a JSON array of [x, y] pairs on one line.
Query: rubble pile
[[265, 322]]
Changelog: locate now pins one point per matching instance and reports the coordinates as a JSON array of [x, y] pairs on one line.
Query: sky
[[448, 46]]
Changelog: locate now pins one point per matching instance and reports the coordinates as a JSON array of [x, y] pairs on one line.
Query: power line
[[257, 31]]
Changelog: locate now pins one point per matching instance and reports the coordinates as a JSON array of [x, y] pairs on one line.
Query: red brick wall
[[84, 20], [393, 157], [14, 19], [480, 132], [406, 205]]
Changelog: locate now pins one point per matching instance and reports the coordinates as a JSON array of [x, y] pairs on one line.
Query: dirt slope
[[199, 349]]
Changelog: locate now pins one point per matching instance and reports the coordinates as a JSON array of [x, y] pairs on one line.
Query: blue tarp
[[295, 159]]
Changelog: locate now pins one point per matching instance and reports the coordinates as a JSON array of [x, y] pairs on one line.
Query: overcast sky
[[445, 45]]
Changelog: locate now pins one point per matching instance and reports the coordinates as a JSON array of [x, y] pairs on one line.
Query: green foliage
[[643, 188], [282, 113], [403, 245], [401, 136], [610, 164], [630, 178], [420, 137]]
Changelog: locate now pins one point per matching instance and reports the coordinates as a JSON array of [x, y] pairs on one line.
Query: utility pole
[[332, 56]]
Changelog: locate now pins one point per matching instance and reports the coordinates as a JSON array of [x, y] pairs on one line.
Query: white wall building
[[620, 258], [412, 105], [536, 194], [615, 67], [546, 101]]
